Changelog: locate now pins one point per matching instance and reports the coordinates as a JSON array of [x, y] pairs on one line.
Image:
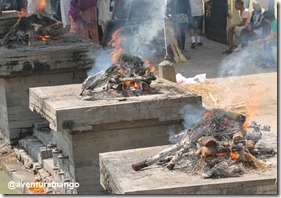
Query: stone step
[[48, 165], [35, 148], [44, 135]]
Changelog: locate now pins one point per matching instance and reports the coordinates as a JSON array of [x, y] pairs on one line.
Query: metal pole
[[165, 36]]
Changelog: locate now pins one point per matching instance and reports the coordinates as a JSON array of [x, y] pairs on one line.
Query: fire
[[233, 155], [121, 70], [152, 68], [127, 84], [207, 115], [250, 110], [136, 85], [41, 5], [44, 38], [116, 42]]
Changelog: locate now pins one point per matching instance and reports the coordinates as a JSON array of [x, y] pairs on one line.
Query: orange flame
[[41, 5], [121, 70], [152, 68], [250, 110], [44, 38], [207, 115], [116, 42], [136, 85], [127, 83], [233, 155]]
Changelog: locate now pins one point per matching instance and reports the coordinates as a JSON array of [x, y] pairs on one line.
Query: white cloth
[[245, 14], [197, 7], [65, 7], [32, 7], [104, 13]]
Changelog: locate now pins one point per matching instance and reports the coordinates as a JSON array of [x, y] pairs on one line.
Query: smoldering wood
[[161, 155], [127, 69], [30, 27], [258, 127], [90, 81]]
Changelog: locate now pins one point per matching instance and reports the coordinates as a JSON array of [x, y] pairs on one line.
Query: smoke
[[191, 113], [147, 39], [246, 61], [102, 61]]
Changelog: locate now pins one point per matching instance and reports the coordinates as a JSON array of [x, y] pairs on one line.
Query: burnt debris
[[129, 76], [216, 146]]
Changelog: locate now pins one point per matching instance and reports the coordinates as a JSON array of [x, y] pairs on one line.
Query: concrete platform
[[26, 67], [61, 106], [117, 177], [83, 129]]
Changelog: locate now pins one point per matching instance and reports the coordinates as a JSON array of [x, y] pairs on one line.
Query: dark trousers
[[182, 28]]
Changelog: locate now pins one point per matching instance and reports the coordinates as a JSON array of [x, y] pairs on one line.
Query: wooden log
[[237, 137], [206, 151], [161, 155], [90, 81], [207, 141]]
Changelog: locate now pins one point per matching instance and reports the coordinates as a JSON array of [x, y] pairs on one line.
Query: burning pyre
[[216, 146], [128, 76]]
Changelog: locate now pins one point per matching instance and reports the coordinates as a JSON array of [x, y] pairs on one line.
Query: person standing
[[235, 29], [65, 7], [195, 23], [83, 18], [104, 11], [178, 9]]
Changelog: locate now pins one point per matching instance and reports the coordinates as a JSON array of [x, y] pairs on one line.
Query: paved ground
[[208, 59]]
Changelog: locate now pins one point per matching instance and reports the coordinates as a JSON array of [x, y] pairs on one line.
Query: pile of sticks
[[217, 141], [28, 29], [127, 68]]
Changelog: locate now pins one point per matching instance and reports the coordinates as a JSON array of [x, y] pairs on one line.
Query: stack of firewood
[[32, 29], [128, 75], [217, 145]]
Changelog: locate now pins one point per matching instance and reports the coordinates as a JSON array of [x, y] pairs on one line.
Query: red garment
[[86, 21]]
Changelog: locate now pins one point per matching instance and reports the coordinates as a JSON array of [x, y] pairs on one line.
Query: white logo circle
[[12, 185]]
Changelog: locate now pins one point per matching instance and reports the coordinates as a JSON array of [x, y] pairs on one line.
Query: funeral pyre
[[128, 76], [218, 145], [38, 29]]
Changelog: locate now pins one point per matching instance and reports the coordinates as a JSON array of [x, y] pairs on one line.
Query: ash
[[128, 77], [218, 145]]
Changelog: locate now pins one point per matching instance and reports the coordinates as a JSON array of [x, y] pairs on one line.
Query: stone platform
[[83, 129], [26, 67], [117, 177]]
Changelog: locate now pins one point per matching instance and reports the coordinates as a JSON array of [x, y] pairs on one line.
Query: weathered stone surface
[[7, 20], [118, 177], [26, 67], [71, 113]]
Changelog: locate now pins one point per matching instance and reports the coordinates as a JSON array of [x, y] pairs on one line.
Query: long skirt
[[86, 24]]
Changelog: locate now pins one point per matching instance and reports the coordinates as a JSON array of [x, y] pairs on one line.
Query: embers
[[129, 76], [215, 146]]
